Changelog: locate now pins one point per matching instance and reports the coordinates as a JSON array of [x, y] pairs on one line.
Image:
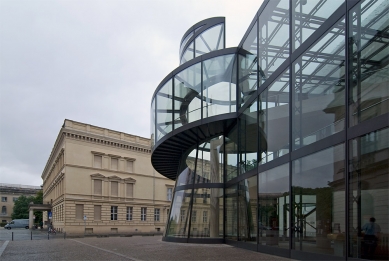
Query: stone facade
[[9, 193], [107, 177]]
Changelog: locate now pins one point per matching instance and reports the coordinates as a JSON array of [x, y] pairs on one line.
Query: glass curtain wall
[[164, 109], [247, 208], [274, 119], [368, 196], [368, 61], [210, 40], [318, 97], [273, 207], [318, 205]]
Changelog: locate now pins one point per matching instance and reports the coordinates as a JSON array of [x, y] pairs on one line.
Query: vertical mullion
[[291, 96]]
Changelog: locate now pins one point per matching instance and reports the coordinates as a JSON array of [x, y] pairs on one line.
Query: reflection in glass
[[187, 168], [164, 108], [219, 94], [319, 103], [231, 221], [247, 200], [249, 139], [178, 224], [273, 37], [231, 149], [187, 96], [207, 213], [248, 66], [209, 168], [369, 195], [188, 54], [318, 207], [274, 119], [369, 67], [210, 40], [309, 16], [273, 207]]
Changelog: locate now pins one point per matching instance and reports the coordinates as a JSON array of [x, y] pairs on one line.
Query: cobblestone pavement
[[135, 248]]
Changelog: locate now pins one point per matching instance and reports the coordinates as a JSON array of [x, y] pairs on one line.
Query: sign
[[50, 215], [85, 218]]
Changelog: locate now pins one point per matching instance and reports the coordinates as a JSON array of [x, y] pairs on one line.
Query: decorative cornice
[[98, 175], [129, 180], [114, 156], [129, 159], [114, 177], [97, 153]]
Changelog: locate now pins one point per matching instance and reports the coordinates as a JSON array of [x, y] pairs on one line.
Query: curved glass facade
[[282, 146]]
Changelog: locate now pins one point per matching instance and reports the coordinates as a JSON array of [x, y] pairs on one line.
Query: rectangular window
[[114, 188], [130, 190], [14, 199], [114, 163], [97, 212], [156, 214], [169, 194], [97, 187], [114, 213], [4, 210], [3, 199], [79, 211], [130, 166], [194, 214], [129, 213], [205, 216], [143, 213], [182, 218], [98, 161]]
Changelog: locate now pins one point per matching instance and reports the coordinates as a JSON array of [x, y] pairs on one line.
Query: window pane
[[218, 90], [210, 40], [273, 35], [98, 161], [188, 54], [247, 200], [319, 202], [309, 16], [369, 195], [114, 188], [274, 119], [319, 103], [231, 148], [231, 213], [97, 186], [114, 164], [209, 167], [164, 110], [130, 190], [187, 100], [177, 224], [369, 67], [273, 207], [249, 134]]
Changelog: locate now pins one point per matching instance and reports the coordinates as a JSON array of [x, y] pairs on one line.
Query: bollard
[[12, 236], [31, 235]]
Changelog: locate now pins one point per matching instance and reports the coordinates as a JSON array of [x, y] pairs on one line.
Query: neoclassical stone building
[[101, 181]]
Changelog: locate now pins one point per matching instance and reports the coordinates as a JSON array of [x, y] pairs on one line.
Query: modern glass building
[[281, 145]]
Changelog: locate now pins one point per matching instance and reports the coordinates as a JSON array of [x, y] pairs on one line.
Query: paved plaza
[[136, 248]]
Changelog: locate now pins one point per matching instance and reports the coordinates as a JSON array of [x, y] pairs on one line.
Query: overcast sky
[[96, 62]]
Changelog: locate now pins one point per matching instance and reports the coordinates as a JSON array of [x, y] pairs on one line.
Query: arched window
[[4, 210]]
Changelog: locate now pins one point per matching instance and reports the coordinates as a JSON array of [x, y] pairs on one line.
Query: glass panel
[[209, 167], [369, 67], [210, 40], [319, 103], [231, 149], [218, 91], [164, 110], [152, 123], [188, 54], [309, 16], [187, 169], [187, 91], [248, 152], [274, 119], [369, 196], [273, 35], [318, 186], [178, 223], [248, 210], [231, 213], [185, 41], [248, 67], [273, 207], [208, 206]]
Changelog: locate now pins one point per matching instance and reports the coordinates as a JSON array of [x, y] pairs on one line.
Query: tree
[[20, 210]]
